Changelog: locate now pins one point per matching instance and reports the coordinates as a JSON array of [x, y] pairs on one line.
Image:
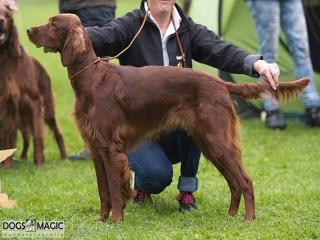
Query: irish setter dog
[[25, 93], [117, 106]]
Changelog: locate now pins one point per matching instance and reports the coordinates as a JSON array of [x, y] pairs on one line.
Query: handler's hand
[[268, 71]]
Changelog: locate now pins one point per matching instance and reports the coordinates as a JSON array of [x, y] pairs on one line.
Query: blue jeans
[[268, 16], [152, 163]]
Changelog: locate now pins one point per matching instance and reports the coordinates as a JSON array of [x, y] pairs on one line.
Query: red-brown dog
[[24, 93], [116, 106]]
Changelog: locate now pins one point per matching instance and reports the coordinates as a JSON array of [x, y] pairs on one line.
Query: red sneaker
[[186, 201], [141, 197]]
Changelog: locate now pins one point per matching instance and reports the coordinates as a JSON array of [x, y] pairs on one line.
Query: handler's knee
[[155, 181], [153, 170]]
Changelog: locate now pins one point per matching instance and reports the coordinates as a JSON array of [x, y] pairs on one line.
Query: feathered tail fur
[[285, 91]]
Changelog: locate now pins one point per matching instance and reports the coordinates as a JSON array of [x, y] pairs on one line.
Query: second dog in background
[[26, 99]]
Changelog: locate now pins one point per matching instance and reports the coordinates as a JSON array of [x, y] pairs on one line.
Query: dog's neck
[[81, 62], [82, 80]]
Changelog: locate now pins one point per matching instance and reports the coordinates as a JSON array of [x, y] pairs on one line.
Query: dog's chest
[[10, 89]]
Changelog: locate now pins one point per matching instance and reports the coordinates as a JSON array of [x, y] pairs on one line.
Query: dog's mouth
[[45, 49], [35, 42], [3, 35], [50, 50]]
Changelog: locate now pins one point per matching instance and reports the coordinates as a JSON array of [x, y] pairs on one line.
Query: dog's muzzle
[[29, 31]]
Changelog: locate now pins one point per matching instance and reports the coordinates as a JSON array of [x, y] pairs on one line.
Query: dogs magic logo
[[33, 228]]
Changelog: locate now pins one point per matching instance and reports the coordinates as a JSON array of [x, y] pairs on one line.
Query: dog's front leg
[[8, 141], [103, 186], [8, 134], [119, 180]]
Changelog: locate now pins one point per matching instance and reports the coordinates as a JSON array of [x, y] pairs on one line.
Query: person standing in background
[[91, 12], [186, 6], [289, 14]]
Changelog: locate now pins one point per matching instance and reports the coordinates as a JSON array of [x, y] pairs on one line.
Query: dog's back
[[169, 83]]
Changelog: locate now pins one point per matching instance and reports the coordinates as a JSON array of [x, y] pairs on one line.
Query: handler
[[158, 44]]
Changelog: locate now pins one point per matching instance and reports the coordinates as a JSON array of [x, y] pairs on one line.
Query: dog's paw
[[232, 212], [104, 215], [249, 218]]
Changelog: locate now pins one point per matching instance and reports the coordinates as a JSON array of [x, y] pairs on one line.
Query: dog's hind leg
[[235, 192], [52, 123], [233, 185], [48, 105], [37, 128], [218, 139], [24, 126], [26, 142]]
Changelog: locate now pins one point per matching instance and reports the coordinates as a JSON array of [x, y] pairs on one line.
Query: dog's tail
[[285, 91]]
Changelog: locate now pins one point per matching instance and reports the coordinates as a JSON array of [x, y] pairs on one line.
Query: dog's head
[[63, 33], [7, 30]]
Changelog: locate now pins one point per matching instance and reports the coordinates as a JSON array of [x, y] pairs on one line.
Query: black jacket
[[199, 44]]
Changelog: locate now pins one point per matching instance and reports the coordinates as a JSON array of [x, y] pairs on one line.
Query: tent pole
[[220, 18]]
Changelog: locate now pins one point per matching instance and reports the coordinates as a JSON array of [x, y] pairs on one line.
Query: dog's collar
[[85, 68]]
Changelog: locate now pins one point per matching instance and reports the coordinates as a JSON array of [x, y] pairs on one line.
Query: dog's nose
[[29, 31]]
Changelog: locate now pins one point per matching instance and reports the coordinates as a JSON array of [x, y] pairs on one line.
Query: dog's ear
[[14, 42], [74, 45], [11, 5]]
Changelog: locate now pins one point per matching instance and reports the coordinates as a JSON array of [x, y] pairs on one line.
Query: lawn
[[285, 168]]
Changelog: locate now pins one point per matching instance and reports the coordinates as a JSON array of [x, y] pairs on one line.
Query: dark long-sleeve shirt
[[198, 43]]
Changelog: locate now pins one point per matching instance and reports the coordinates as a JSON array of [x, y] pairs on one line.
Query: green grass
[[284, 166]]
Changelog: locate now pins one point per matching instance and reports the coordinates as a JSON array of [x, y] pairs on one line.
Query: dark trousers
[[95, 16], [152, 163]]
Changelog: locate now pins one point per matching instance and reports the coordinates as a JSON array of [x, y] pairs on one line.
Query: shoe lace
[[185, 197]]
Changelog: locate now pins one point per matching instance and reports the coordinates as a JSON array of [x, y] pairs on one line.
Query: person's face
[[161, 6]]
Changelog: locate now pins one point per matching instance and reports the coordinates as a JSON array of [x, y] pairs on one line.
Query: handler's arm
[[114, 36], [209, 49]]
